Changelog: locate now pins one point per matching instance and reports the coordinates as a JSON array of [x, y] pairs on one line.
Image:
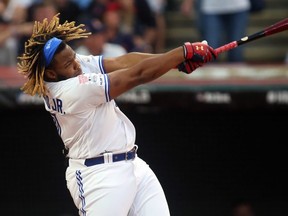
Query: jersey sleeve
[[85, 91], [91, 64]]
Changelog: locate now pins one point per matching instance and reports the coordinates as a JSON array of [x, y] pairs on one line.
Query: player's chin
[[78, 72]]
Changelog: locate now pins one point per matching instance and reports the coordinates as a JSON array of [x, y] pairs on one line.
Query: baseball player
[[105, 176]]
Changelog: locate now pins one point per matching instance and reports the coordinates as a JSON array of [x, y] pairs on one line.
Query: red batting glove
[[188, 66], [199, 52], [196, 54]]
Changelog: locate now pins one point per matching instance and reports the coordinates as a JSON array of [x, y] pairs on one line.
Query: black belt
[[110, 158]]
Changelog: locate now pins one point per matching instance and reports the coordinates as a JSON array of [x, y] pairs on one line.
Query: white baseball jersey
[[87, 120], [90, 123]]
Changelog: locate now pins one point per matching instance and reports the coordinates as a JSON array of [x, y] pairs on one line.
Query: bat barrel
[[277, 27]]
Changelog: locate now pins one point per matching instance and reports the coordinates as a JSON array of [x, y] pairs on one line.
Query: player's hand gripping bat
[[273, 29]]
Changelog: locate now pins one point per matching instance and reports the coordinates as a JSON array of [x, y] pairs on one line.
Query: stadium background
[[211, 139]]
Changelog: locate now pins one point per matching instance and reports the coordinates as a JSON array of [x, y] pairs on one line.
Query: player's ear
[[50, 74]]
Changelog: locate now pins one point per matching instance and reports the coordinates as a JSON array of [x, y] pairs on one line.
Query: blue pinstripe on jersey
[[81, 192]]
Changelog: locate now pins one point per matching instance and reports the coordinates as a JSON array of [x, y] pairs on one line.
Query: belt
[[109, 157]]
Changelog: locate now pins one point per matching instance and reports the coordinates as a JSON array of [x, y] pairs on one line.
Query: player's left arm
[[130, 59], [125, 61]]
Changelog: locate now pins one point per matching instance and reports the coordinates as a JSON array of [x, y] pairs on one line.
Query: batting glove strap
[[188, 66], [188, 50]]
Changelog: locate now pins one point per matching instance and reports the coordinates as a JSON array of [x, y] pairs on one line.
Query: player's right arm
[[151, 68], [125, 61]]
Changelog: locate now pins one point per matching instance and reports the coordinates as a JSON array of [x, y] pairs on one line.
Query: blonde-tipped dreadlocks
[[32, 64]]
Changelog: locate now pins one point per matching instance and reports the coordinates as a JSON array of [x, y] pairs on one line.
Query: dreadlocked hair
[[32, 63]]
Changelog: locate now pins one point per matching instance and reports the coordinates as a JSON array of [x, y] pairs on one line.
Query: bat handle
[[226, 47]]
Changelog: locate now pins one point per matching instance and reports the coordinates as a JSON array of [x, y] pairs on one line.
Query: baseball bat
[[273, 29]]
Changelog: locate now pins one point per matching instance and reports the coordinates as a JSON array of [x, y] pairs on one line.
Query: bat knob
[[205, 42]]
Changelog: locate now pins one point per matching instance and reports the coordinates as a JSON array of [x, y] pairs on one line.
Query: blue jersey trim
[[106, 87], [107, 83], [101, 65]]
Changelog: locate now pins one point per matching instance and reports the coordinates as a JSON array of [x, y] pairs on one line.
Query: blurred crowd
[[121, 26], [117, 26]]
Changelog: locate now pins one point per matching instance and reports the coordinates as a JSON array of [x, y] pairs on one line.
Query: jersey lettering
[[55, 104]]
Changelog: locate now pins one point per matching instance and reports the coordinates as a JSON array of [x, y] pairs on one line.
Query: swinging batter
[[105, 176]]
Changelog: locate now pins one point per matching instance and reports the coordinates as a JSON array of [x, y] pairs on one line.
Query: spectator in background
[[115, 32], [9, 41], [68, 10], [221, 21], [191, 8], [158, 8], [15, 10], [145, 24], [96, 9], [96, 44], [127, 13], [130, 23], [12, 27], [82, 4], [40, 10], [37, 12]]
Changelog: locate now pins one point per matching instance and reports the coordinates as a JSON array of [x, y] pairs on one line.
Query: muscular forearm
[[125, 61], [145, 71], [156, 66]]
